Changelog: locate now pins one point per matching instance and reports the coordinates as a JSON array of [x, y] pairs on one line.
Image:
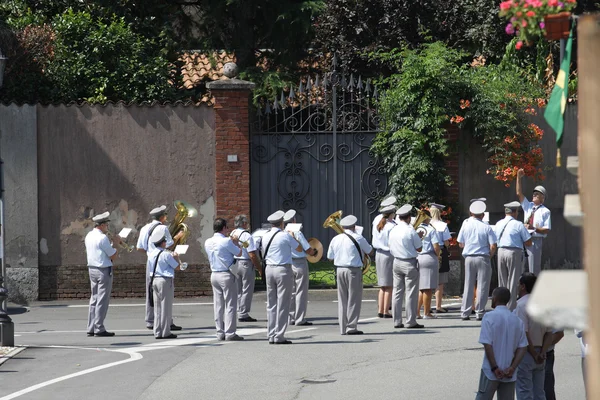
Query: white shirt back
[[404, 241], [511, 233], [98, 249], [143, 240], [535, 329], [245, 236], [477, 236], [374, 228], [280, 251], [220, 251], [344, 253], [505, 332], [381, 240], [299, 236]]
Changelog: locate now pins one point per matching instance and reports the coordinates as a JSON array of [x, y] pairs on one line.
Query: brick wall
[[232, 137], [72, 282]]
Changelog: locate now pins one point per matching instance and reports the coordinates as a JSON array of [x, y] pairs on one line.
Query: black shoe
[[417, 326], [284, 342], [304, 323], [354, 333], [171, 336], [399, 326], [466, 318], [472, 312], [149, 327], [105, 333], [175, 327], [380, 315], [247, 319], [90, 334], [292, 322], [387, 315]]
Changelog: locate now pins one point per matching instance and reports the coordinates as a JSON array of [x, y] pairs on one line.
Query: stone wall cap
[[230, 84]]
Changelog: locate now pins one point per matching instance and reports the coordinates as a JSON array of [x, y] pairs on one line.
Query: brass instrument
[[421, 217], [124, 246], [184, 210], [333, 222]]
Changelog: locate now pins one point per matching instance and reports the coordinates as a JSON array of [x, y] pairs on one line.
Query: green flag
[[558, 99]]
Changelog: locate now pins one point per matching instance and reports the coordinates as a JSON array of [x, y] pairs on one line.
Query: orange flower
[[464, 104]]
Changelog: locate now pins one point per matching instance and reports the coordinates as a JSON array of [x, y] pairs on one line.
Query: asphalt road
[[441, 361]]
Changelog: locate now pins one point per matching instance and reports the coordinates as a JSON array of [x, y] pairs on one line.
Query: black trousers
[[549, 378]]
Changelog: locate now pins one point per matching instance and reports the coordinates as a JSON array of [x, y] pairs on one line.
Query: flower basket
[[557, 26]]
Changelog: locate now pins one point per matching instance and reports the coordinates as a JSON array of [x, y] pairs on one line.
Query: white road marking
[[368, 319], [135, 305], [84, 331], [364, 301]]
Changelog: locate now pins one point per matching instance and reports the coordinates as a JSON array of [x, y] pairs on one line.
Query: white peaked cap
[[388, 201], [404, 210], [276, 217], [478, 199], [348, 221], [289, 215], [540, 189], [387, 209], [513, 205], [158, 211], [477, 207], [159, 233], [101, 218]]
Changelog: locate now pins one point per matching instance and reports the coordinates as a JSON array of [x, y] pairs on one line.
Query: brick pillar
[[232, 138], [451, 162]]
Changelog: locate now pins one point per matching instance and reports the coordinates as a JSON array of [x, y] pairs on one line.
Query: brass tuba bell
[[333, 222], [184, 210], [421, 217]]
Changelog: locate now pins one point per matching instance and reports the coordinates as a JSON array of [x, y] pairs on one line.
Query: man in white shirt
[[100, 257], [246, 265], [511, 235], [144, 245], [537, 221], [405, 245], [478, 241], [299, 301], [347, 250], [505, 343], [531, 371], [277, 247], [163, 264], [221, 250]]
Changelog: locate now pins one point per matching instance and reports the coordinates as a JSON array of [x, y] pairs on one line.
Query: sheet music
[[359, 229], [124, 233], [181, 248], [293, 227]]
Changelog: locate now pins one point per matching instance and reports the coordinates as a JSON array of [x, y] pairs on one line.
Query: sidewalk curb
[[11, 354]]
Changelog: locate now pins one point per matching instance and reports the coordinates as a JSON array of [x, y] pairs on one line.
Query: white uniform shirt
[[443, 236], [477, 236], [404, 241], [429, 239], [143, 240], [166, 263], [244, 236], [514, 233], [381, 240], [98, 249], [541, 216], [280, 251], [505, 332], [305, 246], [344, 253], [536, 330], [374, 228], [220, 251]]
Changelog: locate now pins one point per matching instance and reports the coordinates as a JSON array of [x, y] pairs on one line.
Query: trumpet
[[245, 244], [124, 246]]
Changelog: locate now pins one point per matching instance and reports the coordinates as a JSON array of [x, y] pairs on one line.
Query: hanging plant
[[529, 19]]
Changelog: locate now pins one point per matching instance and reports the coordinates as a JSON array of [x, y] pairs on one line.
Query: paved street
[[441, 361]]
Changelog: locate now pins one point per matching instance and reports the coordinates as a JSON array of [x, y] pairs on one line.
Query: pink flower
[[530, 14], [524, 23], [552, 3], [509, 29], [505, 5], [542, 25], [519, 45]]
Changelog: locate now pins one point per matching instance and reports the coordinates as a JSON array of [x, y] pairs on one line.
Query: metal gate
[[311, 152]]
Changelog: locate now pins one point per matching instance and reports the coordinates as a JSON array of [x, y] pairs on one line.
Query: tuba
[[333, 222], [421, 217], [184, 210]]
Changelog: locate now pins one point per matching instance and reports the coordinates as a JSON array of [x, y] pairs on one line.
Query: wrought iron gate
[[311, 152]]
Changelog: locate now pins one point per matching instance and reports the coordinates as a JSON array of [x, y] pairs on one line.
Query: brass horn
[[122, 244], [184, 210], [333, 222], [421, 217]]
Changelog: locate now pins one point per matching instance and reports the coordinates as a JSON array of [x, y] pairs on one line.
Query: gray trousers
[[149, 308], [101, 284], [534, 253], [487, 388], [530, 379], [406, 280], [163, 292], [280, 280], [350, 289], [299, 301], [476, 268], [225, 303], [510, 268], [245, 278]]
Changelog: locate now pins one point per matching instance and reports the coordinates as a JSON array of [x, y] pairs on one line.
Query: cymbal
[[315, 244]]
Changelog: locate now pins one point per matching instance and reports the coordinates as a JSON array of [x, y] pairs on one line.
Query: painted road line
[[134, 305], [364, 301]]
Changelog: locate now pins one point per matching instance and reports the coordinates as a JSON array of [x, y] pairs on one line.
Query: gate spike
[[292, 95], [325, 82], [351, 85], [308, 84], [282, 101], [267, 108], [275, 105], [359, 85], [368, 86], [317, 82], [344, 82], [375, 92], [301, 87]]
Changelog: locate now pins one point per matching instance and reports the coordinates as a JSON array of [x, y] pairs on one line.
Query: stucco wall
[[18, 150], [126, 160]]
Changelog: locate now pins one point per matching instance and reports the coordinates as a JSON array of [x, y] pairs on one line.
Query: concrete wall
[[18, 149]]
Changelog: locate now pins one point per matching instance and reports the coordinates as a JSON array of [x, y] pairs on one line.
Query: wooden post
[[588, 59]]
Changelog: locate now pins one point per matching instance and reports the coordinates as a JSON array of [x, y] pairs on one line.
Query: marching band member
[[388, 201], [100, 257], [346, 251], [144, 245], [443, 239], [384, 261], [405, 244], [299, 301], [428, 268], [247, 264], [277, 249], [221, 250], [537, 219], [163, 264], [512, 235], [478, 241]]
